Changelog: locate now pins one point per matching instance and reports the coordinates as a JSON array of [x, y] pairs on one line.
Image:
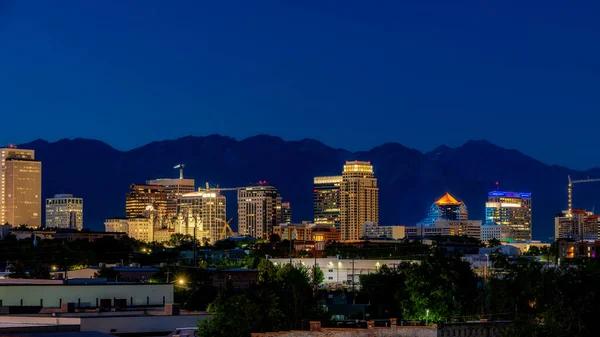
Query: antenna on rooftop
[[180, 167]]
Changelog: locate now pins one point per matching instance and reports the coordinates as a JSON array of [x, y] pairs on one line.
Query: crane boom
[[570, 189]]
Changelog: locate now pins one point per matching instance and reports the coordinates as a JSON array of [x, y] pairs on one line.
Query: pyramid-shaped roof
[[447, 199]]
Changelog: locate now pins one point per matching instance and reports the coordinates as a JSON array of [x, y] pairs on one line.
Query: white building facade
[[64, 211]]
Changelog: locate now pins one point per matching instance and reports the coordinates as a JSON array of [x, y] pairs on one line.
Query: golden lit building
[[259, 210], [141, 196], [205, 210], [174, 189], [326, 200], [20, 188], [359, 199], [141, 229]]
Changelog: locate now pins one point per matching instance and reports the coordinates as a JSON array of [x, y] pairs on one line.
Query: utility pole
[[352, 274]]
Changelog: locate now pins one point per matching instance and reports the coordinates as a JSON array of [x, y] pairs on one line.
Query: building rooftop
[[447, 199]]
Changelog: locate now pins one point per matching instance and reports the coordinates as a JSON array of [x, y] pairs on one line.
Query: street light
[[181, 281], [54, 268], [487, 265], [427, 317]]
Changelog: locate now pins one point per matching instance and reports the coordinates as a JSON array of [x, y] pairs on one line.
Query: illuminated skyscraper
[[359, 199], [258, 211], [327, 201], [174, 189], [286, 212], [511, 211], [141, 196], [20, 188], [205, 209], [446, 208], [64, 211]]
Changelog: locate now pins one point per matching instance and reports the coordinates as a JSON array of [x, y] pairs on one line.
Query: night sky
[[521, 74]]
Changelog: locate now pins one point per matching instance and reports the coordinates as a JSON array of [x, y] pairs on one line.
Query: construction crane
[[225, 228], [570, 190], [180, 167], [208, 188]]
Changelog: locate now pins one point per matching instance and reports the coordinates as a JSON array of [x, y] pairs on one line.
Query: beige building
[[141, 229], [116, 225], [372, 230], [20, 188], [259, 210], [64, 211], [359, 198], [174, 189]]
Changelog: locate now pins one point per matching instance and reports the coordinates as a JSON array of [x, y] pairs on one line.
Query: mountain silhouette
[[409, 180]]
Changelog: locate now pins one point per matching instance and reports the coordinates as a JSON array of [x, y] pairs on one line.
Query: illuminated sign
[[509, 194], [510, 205]]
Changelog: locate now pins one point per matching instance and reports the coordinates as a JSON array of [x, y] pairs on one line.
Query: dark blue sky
[[522, 74]]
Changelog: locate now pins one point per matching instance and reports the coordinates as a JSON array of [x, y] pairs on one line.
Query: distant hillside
[[409, 180]]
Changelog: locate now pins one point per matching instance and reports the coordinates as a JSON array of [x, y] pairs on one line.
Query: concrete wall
[[374, 332], [51, 295], [138, 324]]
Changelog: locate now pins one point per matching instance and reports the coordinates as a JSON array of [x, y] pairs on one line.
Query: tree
[[281, 299], [533, 251], [386, 291], [274, 238], [441, 288], [494, 243], [107, 273]]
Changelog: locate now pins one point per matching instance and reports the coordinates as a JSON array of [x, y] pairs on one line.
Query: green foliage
[[494, 243], [280, 300], [446, 286], [109, 274], [543, 301], [533, 251], [412, 250], [386, 291]]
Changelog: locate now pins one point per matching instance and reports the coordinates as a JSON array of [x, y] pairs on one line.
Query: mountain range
[[409, 180]]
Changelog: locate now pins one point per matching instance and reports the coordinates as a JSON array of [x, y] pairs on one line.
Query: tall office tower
[[141, 196], [258, 211], [286, 212], [327, 200], [206, 210], [579, 225], [174, 189], [359, 199], [64, 211], [511, 211], [446, 208], [20, 188]]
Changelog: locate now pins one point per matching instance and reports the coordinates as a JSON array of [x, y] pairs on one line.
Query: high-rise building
[[64, 211], [286, 212], [359, 199], [446, 208], [174, 189], [141, 196], [511, 211], [327, 201], [20, 188], [258, 211], [205, 209], [579, 225]]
